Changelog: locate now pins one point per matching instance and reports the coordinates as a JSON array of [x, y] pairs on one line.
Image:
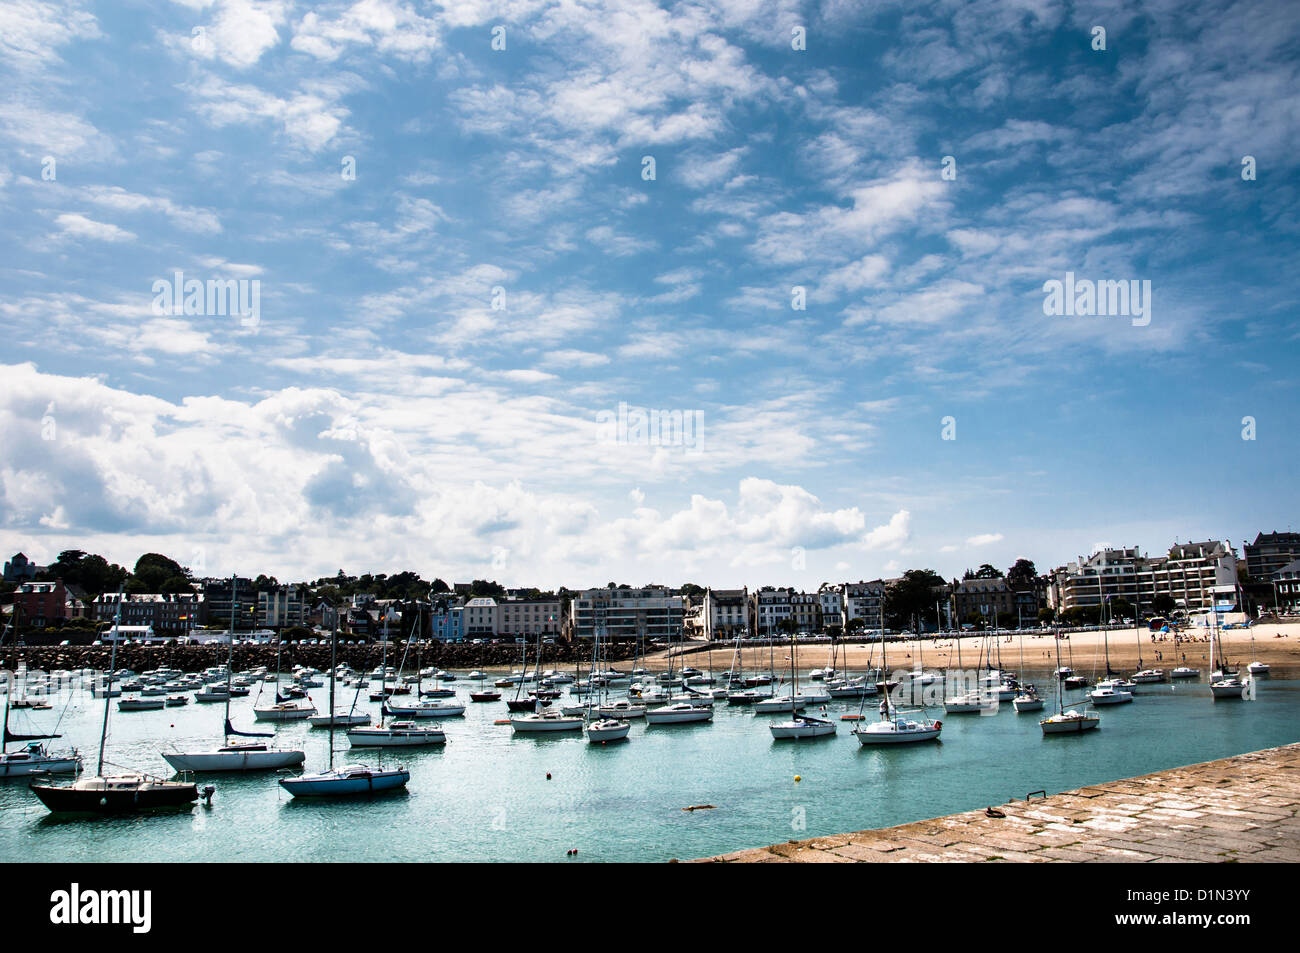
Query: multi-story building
[[771, 608], [480, 618], [724, 613], [516, 617], [831, 598], [806, 611], [168, 614], [218, 595], [282, 607], [865, 601], [1269, 553], [648, 613], [1286, 588], [447, 621], [41, 604], [1194, 575], [987, 597]]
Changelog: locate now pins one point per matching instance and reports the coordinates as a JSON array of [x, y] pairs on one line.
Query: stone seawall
[[1240, 809]]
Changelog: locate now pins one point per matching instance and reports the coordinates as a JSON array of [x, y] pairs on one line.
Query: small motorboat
[[141, 704], [546, 721], [1107, 695], [485, 696], [1183, 671]]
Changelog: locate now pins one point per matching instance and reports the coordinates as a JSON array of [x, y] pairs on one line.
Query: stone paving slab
[[1237, 810]]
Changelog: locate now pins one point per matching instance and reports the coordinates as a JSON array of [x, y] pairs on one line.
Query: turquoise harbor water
[[485, 796]]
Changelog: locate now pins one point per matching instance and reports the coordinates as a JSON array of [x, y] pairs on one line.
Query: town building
[[771, 609], [481, 618], [652, 612], [282, 607], [1286, 588], [865, 601], [831, 598], [1269, 553], [1195, 575], [724, 613], [41, 604], [169, 614], [19, 568], [516, 617], [218, 595], [987, 598]]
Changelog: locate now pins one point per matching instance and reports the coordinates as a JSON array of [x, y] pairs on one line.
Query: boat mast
[[334, 654], [108, 689], [230, 657]]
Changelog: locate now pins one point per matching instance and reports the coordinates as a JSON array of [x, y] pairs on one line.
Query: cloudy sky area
[[382, 415]]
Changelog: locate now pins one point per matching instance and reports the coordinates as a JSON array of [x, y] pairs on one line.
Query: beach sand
[[1278, 644]]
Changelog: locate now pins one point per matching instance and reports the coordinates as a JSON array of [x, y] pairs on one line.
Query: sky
[[482, 243]]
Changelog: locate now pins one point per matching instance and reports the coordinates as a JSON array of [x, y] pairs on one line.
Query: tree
[[154, 569], [692, 590], [1164, 603], [1022, 575], [988, 572], [911, 596], [439, 586], [1121, 608], [1047, 615]]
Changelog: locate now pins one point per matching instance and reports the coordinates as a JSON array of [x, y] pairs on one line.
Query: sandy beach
[[1278, 644]]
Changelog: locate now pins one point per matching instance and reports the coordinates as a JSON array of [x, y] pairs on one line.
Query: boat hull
[[87, 797], [1072, 726], [344, 786], [541, 725], [200, 761], [282, 714], [395, 738], [867, 738], [800, 730], [22, 769], [598, 733], [663, 717]]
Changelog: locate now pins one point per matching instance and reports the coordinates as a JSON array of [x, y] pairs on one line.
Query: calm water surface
[[485, 796]]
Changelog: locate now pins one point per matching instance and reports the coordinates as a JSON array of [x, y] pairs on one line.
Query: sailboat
[[284, 709], [400, 734], [128, 791], [419, 709], [1027, 699], [800, 726], [893, 728], [974, 700], [34, 757], [351, 778], [1224, 682], [239, 755], [602, 729], [529, 721], [1067, 722]]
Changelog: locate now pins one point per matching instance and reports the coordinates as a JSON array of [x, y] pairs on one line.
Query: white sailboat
[[349, 779], [404, 733], [800, 726], [893, 727], [284, 709], [1067, 722], [34, 757], [127, 792], [603, 729], [239, 755]]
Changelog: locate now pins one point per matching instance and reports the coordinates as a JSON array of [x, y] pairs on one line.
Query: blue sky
[[381, 414]]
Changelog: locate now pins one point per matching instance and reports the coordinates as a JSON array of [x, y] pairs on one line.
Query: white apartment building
[[648, 613], [528, 617], [831, 598], [1195, 575], [480, 618], [724, 613], [864, 600], [771, 608]]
